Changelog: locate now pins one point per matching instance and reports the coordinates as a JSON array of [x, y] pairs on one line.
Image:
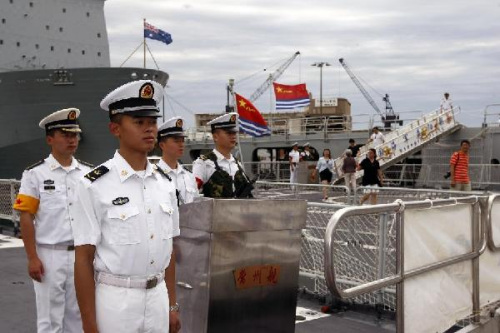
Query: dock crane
[[273, 77], [389, 116], [264, 86]]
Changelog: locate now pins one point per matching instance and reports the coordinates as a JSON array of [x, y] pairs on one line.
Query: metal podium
[[238, 265]]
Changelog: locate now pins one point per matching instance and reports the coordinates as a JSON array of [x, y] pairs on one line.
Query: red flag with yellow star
[[251, 121], [290, 97]]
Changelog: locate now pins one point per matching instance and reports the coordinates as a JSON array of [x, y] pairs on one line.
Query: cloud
[[412, 50]]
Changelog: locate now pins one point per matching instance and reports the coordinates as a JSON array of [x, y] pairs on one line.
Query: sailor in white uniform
[[171, 141], [294, 158], [446, 103], [306, 154], [126, 218], [46, 202], [219, 174]]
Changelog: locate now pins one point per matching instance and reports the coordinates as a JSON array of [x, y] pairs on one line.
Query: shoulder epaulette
[[96, 173], [90, 165], [35, 165], [163, 173]]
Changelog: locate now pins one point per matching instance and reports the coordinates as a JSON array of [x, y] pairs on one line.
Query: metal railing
[[325, 125], [483, 176], [389, 219], [8, 193], [367, 237], [491, 118], [488, 225]]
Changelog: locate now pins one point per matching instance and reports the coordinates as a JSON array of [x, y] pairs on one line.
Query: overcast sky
[[414, 51]]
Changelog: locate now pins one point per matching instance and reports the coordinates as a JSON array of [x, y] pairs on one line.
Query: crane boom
[[360, 86], [273, 77]]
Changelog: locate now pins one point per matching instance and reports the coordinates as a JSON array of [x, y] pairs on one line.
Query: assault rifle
[[245, 192]]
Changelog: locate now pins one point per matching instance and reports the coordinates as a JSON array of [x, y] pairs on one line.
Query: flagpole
[[271, 109], [238, 133], [144, 41]]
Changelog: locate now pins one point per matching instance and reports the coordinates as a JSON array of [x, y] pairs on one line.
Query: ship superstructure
[[53, 34]]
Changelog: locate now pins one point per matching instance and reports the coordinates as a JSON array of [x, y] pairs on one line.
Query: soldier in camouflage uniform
[[218, 174]]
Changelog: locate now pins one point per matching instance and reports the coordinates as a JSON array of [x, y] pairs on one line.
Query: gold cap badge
[[72, 115], [147, 91]]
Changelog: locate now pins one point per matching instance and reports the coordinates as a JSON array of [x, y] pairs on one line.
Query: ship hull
[[28, 96]]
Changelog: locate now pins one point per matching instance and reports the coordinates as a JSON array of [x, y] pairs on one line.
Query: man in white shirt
[[376, 138], [126, 218], [446, 103], [218, 174], [294, 158], [171, 141], [45, 201]]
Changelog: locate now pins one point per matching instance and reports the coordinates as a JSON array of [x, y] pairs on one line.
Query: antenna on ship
[[144, 41]]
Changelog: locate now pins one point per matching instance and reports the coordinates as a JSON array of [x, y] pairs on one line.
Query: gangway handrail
[[478, 246], [401, 135], [489, 224]]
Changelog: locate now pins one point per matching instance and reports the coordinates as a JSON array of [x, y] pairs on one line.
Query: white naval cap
[[295, 144], [137, 98], [171, 127], [307, 144], [227, 122], [64, 120]]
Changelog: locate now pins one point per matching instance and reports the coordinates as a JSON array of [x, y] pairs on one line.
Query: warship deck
[[18, 313]]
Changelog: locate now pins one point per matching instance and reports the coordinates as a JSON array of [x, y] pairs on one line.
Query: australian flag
[[152, 32]]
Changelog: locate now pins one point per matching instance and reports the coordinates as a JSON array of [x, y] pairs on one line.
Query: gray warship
[[55, 55]]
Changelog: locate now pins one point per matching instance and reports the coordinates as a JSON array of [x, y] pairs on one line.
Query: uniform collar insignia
[[120, 201], [48, 182]]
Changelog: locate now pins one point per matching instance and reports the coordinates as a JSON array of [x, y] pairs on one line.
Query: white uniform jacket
[[184, 181], [48, 191], [203, 169], [130, 217]]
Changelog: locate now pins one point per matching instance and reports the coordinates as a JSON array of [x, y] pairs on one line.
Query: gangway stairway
[[406, 140]]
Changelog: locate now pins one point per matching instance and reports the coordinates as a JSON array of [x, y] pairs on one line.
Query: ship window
[[64, 10], [98, 54], [31, 4], [52, 48], [37, 46], [60, 29], [3, 20], [47, 27], [69, 50], [83, 51], [98, 35], [18, 44], [88, 14], [1, 41]]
